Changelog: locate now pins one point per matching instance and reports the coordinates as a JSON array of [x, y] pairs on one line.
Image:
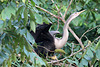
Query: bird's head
[[74, 15], [53, 33]]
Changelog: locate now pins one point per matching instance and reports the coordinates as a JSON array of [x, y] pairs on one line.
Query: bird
[[46, 40], [60, 42]]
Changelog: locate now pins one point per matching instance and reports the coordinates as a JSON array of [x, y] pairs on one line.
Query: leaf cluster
[[15, 47]]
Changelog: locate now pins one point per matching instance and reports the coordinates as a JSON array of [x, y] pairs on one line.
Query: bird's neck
[[67, 23], [61, 42]]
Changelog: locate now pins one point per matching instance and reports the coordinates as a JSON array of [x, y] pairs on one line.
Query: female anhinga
[[47, 41]]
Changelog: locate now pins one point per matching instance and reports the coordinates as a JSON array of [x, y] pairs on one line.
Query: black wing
[[43, 38]]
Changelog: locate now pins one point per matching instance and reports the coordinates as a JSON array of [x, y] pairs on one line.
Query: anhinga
[[59, 43], [46, 40]]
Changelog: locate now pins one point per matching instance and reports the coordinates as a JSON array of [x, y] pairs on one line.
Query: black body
[[44, 39]]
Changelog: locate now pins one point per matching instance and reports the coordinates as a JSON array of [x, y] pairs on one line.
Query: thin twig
[[88, 31], [70, 55], [57, 7], [58, 19], [58, 25], [67, 9], [72, 48], [45, 48], [96, 39]]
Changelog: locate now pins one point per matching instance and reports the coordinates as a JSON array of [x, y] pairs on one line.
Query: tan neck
[[59, 43]]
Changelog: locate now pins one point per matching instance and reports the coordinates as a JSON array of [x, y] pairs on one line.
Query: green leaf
[[23, 1], [87, 1], [31, 14], [98, 53], [23, 31], [76, 21], [97, 46], [99, 63], [87, 57], [43, 1], [10, 47], [22, 56], [89, 53], [6, 50], [1, 24], [4, 63], [84, 53], [93, 60], [71, 61], [46, 20], [98, 31], [38, 18], [25, 16], [93, 15], [6, 13], [9, 62], [78, 55], [84, 62], [21, 44], [91, 25], [26, 52], [38, 59], [27, 65], [60, 51], [18, 49], [33, 3], [28, 47], [3, 55], [20, 10], [1, 0], [9, 23], [1, 60], [30, 37], [97, 17], [13, 56], [11, 10], [32, 25], [80, 65]]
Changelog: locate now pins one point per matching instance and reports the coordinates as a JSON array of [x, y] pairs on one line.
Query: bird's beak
[[54, 32], [81, 11]]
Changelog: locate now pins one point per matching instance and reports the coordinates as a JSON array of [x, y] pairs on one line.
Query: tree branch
[[49, 13], [97, 38], [70, 55], [88, 31], [58, 24], [79, 40], [57, 7], [67, 9]]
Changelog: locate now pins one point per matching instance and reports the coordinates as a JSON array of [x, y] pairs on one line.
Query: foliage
[[15, 47]]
